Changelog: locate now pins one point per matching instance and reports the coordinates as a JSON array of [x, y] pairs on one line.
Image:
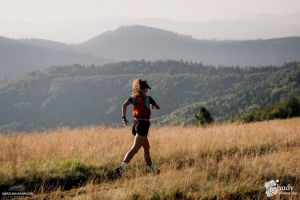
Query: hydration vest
[[141, 107]]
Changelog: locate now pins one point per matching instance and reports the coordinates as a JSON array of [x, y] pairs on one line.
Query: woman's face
[[145, 91]]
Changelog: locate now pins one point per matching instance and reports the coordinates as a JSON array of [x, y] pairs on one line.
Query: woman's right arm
[[124, 109]]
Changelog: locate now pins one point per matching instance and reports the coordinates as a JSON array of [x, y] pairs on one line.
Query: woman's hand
[[155, 107], [124, 108], [125, 121]]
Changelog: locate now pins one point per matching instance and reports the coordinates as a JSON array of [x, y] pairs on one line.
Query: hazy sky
[[179, 10]]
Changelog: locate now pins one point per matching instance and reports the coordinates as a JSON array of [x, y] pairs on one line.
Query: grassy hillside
[[219, 162], [77, 95]]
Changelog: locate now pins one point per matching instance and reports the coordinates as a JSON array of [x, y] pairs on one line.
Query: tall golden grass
[[231, 161]]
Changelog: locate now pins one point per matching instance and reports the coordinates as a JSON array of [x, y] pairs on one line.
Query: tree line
[[284, 109]]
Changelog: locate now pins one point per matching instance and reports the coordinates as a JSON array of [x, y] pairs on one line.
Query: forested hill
[[76, 95], [141, 42]]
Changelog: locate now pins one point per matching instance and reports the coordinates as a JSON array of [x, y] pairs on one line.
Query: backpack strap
[[133, 101], [147, 102]]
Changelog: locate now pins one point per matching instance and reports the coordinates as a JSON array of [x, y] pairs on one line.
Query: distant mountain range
[[76, 31], [140, 42], [20, 57], [285, 19]]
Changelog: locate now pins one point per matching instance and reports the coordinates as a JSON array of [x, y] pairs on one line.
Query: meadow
[[228, 161]]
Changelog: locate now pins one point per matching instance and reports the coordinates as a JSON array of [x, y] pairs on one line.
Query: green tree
[[203, 117], [293, 107]]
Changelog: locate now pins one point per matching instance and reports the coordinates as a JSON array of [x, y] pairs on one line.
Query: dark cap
[[145, 85]]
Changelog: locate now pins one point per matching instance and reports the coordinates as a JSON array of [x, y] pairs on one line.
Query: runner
[[141, 113]]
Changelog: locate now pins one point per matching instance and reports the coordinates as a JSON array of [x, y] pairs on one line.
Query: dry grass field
[[230, 161]]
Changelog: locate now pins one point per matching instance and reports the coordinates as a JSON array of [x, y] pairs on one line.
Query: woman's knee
[[146, 149], [146, 145], [134, 150]]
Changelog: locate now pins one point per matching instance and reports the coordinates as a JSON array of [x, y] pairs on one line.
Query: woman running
[[140, 127]]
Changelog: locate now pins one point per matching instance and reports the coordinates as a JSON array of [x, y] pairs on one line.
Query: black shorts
[[140, 127]]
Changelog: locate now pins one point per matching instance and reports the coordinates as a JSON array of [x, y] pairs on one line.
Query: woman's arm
[[155, 106], [124, 109]]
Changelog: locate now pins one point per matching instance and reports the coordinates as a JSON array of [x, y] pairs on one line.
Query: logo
[[273, 188], [16, 192], [18, 188]]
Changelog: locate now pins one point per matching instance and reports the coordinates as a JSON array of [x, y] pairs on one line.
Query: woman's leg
[[146, 147], [138, 142]]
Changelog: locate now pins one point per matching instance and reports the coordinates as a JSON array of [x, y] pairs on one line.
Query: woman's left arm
[[155, 106]]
